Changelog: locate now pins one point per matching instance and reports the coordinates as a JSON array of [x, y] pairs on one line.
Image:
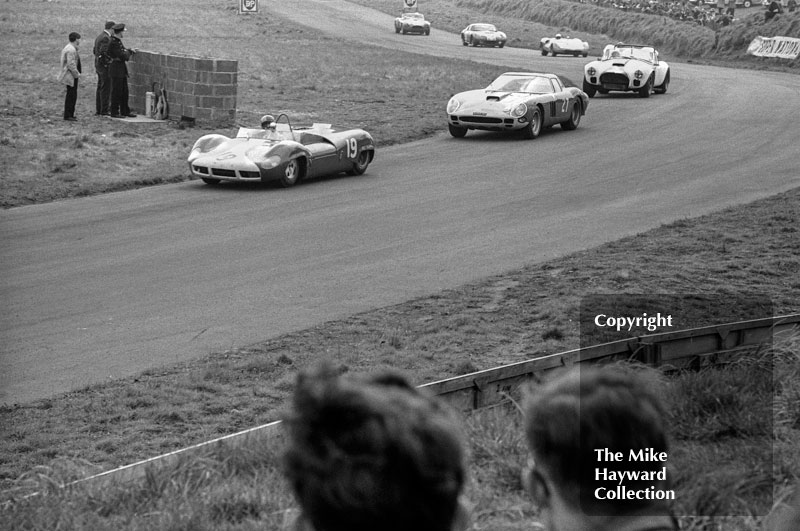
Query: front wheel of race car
[[534, 127], [457, 131], [290, 173], [210, 181], [645, 91], [574, 118], [662, 88], [361, 163], [544, 52], [397, 29], [588, 89]]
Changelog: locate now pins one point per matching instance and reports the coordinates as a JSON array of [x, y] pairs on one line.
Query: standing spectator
[[70, 73], [774, 8], [721, 5], [731, 8], [118, 72], [101, 62], [567, 421], [373, 453], [791, 6]]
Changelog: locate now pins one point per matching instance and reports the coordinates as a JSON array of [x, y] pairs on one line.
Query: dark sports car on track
[[281, 153], [412, 23], [483, 35], [517, 101]]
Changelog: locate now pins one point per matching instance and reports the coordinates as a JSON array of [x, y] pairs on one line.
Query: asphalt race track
[[108, 286]]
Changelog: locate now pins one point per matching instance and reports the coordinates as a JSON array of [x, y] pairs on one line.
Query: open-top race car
[[563, 45], [412, 23], [483, 35], [626, 67], [522, 101], [280, 152]]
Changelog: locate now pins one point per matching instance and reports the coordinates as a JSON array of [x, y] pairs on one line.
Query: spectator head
[[572, 416], [74, 36], [110, 24], [372, 453], [118, 29]]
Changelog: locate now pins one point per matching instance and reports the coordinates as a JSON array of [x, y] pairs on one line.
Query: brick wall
[[198, 88]]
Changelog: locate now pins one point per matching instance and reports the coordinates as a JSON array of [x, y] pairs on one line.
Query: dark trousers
[[70, 99], [103, 94], [119, 96]]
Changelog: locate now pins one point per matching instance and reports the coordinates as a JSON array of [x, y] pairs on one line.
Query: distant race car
[[282, 153], [626, 67], [412, 23], [482, 35], [514, 101], [563, 45]]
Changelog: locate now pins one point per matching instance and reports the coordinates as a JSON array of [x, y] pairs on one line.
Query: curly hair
[[372, 452]]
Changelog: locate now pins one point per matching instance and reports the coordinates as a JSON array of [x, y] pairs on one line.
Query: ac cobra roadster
[[627, 68]]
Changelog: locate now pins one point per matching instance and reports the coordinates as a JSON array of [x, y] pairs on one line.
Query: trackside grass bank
[[503, 319]]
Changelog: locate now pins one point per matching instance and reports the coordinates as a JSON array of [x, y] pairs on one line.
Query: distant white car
[[412, 23], [483, 35], [626, 68], [564, 46]]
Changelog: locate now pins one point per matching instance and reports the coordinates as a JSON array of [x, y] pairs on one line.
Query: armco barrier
[[199, 88], [694, 348]]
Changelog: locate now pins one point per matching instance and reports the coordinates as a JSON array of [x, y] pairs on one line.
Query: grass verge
[[502, 319]]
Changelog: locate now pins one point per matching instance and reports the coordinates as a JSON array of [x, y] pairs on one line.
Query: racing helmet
[[558, 35], [267, 121]]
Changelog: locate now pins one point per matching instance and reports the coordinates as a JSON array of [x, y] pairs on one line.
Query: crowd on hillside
[[715, 16]]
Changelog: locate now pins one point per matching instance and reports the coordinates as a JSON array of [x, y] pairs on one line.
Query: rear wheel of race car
[[645, 91], [428, 31], [290, 173], [501, 45], [588, 89], [457, 131], [361, 163], [574, 118], [585, 54], [534, 126], [397, 29], [662, 88], [209, 180]]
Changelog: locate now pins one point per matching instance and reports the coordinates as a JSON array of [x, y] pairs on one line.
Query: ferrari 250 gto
[[517, 101]]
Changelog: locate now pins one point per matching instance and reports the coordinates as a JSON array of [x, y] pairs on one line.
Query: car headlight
[[519, 110], [206, 144], [638, 74], [591, 71], [453, 105]]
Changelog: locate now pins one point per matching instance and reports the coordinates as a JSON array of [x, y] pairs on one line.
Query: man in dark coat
[[101, 60], [118, 72]]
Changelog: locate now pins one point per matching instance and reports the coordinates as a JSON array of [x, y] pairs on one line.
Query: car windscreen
[[483, 27], [527, 84]]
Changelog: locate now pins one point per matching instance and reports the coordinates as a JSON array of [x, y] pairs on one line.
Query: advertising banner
[[783, 47]]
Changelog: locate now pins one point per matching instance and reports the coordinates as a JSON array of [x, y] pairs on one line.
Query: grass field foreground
[[503, 319]]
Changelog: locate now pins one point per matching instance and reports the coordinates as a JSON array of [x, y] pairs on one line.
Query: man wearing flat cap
[[118, 72], [101, 62]]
